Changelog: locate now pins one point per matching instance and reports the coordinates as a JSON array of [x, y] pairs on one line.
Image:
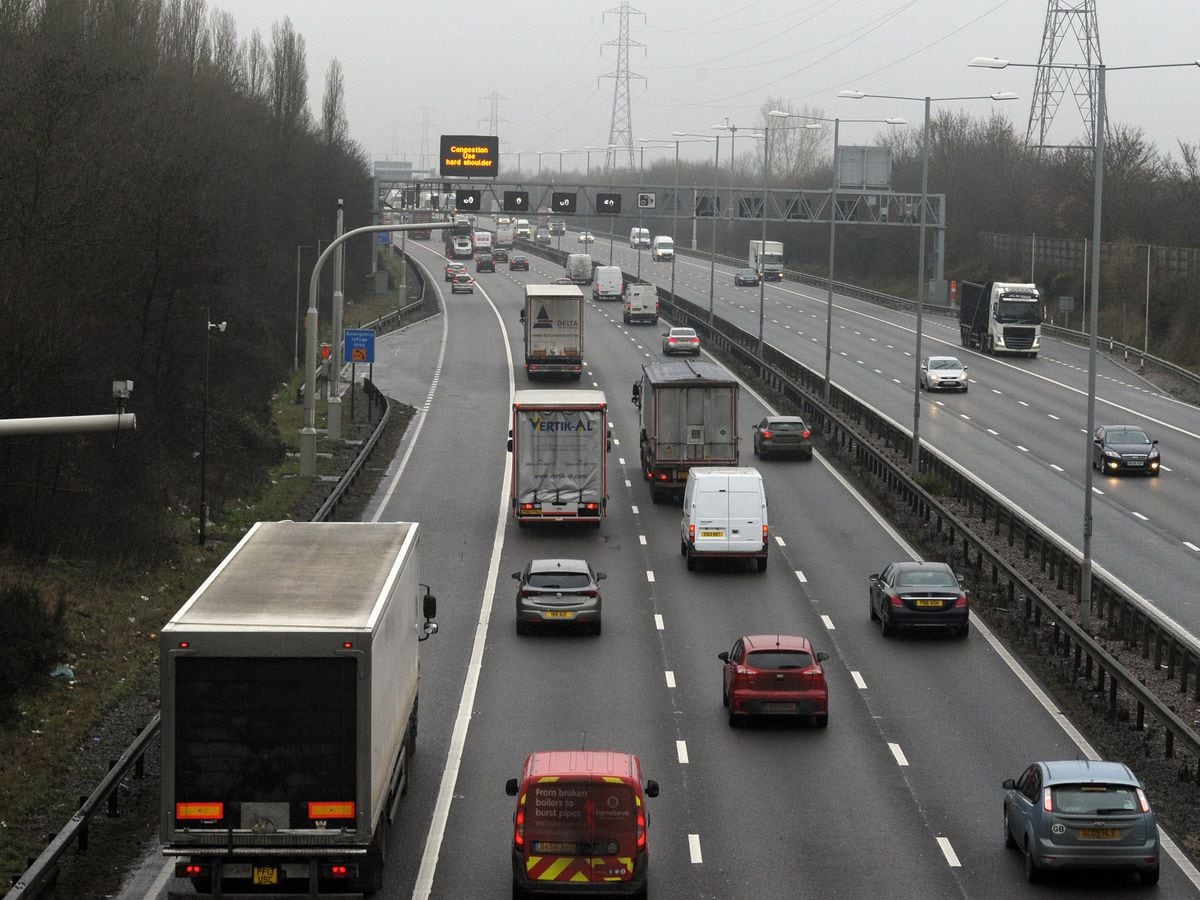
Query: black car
[[745, 278], [500, 254], [551, 591], [1124, 448], [518, 263], [485, 262], [919, 595], [783, 434]]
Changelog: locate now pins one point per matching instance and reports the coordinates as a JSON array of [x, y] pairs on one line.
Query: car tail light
[[1047, 800], [692, 534], [806, 434], [960, 601], [641, 828], [591, 592], [519, 827], [671, 340], [1143, 801], [764, 534], [896, 600], [591, 506], [767, 433]]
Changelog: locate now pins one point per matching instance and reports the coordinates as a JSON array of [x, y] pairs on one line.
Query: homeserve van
[[663, 248], [724, 515], [639, 237], [580, 824], [608, 283]]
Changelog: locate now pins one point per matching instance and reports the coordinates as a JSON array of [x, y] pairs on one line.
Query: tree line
[[156, 172]]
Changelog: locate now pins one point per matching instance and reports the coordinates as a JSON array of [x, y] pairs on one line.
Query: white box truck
[[553, 317], [688, 417], [766, 258], [289, 708], [559, 441]]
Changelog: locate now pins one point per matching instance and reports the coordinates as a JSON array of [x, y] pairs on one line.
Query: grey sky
[[705, 61]]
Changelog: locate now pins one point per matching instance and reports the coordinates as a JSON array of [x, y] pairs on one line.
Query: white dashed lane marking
[[670, 678], [694, 848], [948, 852], [901, 759], [800, 577], [658, 621], [858, 680], [681, 751], [827, 622]]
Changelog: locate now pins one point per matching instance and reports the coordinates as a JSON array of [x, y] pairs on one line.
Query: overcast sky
[[708, 62]]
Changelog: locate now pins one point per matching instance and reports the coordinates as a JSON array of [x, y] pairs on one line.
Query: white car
[[943, 373], [585, 237]]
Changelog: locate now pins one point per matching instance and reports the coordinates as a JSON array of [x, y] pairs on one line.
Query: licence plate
[[265, 875], [560, 614], [780, 707], [1133, 462], [555, 847], [925, 603], [1099, 834], [715, 534]]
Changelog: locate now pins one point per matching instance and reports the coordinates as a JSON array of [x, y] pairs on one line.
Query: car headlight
[[1153, 455]]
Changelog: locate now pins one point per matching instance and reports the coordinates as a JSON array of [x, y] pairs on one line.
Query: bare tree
[[288, 91], [255, 64], [335, 129], [795, 151], [226, 61]]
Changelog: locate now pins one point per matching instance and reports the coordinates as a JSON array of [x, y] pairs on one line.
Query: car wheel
[[1032, 873], [965, 388], [692, 562], [682, 547], [1148, 877], [807, 456], [962, 630], [724, 694], [874, 615], [518, 892], [734, 720], [821, 721], [885, 627], [522, 627], [1008, 838], [597, 627], [762, 563], [1154, 474]]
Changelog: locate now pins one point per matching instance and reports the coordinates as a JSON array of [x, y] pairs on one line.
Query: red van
[[580, 824]]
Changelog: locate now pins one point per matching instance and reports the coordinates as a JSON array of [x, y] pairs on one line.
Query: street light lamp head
[[778, 114], [851, 95], [895, 121], [989, 62], [1004, 95], [679, 134]]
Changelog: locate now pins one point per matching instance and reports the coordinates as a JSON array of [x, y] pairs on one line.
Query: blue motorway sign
[[360, 345]]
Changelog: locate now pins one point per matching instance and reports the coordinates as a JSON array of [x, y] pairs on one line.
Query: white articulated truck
[[766, 258], [688, 417], [1000, 317], [289, 709], [553, 317], [559, 442]]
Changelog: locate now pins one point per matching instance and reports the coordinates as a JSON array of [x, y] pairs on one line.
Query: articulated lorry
[[553, 319], [688, 417], [559, 441], [289, 709], [421, 215], [999, 317], [766, 258]]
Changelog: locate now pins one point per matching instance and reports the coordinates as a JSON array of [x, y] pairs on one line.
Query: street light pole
[[712, 249], [762, 247], [832, 233], [209, 326], [916, 435]]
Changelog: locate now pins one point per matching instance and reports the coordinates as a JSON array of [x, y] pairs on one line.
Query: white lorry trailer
[[766, 258], [688, 417], [289, 709], [553, 317], [999, 317], [559, 442]]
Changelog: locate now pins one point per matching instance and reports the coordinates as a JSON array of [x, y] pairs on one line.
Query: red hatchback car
[[773, 675]]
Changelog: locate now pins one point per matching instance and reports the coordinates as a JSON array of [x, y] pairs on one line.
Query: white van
[[639, 237], [724, 515], [579, 267], [641, 304], [663, 248], [608, 283]]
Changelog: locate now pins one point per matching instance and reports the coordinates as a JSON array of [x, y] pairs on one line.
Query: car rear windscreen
[[265, 730], [927, 579], [560, 580], [1095, 799], [787, 426], [778, 659]]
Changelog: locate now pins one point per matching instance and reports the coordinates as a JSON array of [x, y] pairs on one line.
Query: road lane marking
[[694, 848], [800, 577], [1191, 546], [1056, 468], [642, 539], [670, 678], [779, 541], [1139, 515], [948, 852], [858, 680], [828, 622], [658, 622], [635, 510], [901, 759], [628, 483], [650, 576], [1022, 449], [681, 751], [620, 460]]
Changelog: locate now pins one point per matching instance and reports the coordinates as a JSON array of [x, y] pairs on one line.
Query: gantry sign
[[469, 155]]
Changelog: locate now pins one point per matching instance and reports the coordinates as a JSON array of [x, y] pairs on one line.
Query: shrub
[[35, 633]]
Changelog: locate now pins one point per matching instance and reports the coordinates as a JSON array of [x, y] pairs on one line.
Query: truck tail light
[[591, 507], [765, 529], [338, 871], [519, 827], [200, 810], [190, 870]]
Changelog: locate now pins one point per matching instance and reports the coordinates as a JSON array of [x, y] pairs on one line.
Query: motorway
[[899, 797]]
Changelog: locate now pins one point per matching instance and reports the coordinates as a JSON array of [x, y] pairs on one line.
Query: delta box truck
[[560, 443], [289, 709], [553, 319], [688, 417], [998, 317]]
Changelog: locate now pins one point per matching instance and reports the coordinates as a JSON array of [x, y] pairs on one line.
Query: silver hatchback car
[[1079, 814], [563, 591]]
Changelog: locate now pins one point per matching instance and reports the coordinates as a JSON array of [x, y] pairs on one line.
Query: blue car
[[1081, 814]]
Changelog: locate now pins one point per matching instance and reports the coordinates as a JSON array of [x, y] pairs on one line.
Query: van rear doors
[[724, 514]]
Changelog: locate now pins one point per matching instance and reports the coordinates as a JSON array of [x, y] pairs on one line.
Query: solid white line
[[901, 759], [827, 622], [1022, 449], [858, 680], [800, 577], [165, 874], [642, 539], [948, 852], [694, 848], [1056, 468], [993, 432], [779, 541], [650, 576], [1139, 515], [466, 703], [658, 621], [681, 751], [670, 678]]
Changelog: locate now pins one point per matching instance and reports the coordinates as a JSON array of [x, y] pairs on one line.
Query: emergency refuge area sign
[[359, 345], [470, 155]]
